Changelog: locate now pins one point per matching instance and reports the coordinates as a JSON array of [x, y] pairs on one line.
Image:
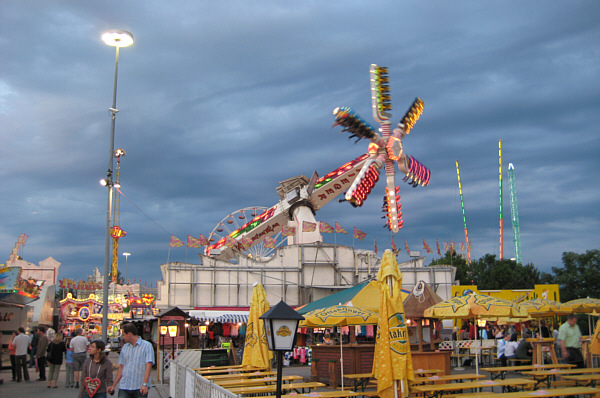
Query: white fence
[[185, 382]]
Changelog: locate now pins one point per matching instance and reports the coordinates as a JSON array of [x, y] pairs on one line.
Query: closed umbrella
[[256, 348], [392, 361], [339, 315]]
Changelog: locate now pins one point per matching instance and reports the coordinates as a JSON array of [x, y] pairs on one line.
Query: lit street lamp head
[[117, 38]]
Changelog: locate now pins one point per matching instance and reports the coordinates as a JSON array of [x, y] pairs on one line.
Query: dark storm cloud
[[219, 102]]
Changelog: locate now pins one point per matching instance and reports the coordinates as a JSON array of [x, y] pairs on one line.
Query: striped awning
[[220, 316]]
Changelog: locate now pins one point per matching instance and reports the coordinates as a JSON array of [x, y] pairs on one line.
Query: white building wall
[[298, 274]]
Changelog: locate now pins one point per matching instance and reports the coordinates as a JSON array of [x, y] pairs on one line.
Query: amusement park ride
[[301, 198]]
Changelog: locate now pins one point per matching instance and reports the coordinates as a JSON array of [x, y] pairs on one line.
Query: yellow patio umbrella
[[584, 305], [540, 307], [474, 306], [339, 315], [256, 348], [392, 361], [588, 305]]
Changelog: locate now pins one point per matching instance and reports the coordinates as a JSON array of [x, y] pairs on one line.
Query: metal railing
[[185, 382]]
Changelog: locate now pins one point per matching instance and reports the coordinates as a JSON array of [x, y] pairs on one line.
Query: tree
[[488, 273], [463, 270], [580, 275]]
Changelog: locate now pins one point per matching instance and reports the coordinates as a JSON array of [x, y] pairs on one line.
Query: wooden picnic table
[[500, 371], [456, 377], [229, 370], [586, 380], [219, 367], [548, 376], [249, 375], [360, 380], [552, 392], [437, 390], [540, 345], [297, 387], [325, 394], [254, 382]]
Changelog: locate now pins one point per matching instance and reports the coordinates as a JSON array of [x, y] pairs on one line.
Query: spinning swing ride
[[356, 179]]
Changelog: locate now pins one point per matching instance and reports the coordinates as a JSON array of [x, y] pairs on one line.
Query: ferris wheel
[[235, 221]]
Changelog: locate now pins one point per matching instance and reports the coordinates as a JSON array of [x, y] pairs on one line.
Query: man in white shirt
[[21, 342], [79, 345]]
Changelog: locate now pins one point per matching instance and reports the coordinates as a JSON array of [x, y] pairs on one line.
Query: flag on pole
[[358, 234], [438, 247], [230, 242], [203, 240], [452, 246], [406, 246], [288, 230], [462, 246], [426, 247], [270, 242], [395, 249], [193, 242], [175, 241], [469, 246], [308, 226], [375, 244], [325, 228], [445, 247], [246, 242], [339, 229]]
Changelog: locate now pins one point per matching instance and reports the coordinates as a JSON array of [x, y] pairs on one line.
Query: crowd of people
[[568, 337], [87, 367]]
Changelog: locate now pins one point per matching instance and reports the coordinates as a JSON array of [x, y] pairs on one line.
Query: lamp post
[[173, 327], [116, 38], [126, 254], [281, 325], [163, 332]]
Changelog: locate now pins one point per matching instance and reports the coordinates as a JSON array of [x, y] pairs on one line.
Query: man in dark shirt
[[34, 341], [524, 350], [40, 353]]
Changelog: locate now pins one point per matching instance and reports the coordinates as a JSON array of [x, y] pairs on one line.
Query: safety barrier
[[185, 382]]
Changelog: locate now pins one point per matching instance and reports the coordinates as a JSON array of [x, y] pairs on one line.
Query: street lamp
[[281, 325], [117, 38], [126, 254], [164, 329], [173, 327]]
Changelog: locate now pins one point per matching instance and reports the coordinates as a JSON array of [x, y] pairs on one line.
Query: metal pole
[[109, 185], [279, 373], [172, 350]]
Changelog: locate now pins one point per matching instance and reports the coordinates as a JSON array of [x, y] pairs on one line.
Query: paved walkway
[[39, 388]]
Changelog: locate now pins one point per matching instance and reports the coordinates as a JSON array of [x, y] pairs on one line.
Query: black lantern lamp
[[281, 325], [173, 328]]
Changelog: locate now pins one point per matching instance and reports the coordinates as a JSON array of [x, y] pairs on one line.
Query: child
[[70, 383]]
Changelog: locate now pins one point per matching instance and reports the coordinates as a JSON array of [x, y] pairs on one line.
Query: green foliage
[[578, 278], [580, 275]]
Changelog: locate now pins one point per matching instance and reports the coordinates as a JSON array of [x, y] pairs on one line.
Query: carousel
[[86, 314]]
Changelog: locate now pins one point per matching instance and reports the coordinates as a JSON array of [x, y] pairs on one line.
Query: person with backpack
[[56, 350]]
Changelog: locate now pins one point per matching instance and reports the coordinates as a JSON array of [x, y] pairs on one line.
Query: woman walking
[[96, 372], [56, 349]]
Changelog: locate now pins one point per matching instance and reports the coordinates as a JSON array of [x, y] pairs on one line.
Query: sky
[[219, 101]]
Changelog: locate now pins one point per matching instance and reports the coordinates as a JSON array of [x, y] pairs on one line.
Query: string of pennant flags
[[323, 227]]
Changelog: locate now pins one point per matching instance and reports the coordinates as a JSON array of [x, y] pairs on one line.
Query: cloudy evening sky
[[219, 101]]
